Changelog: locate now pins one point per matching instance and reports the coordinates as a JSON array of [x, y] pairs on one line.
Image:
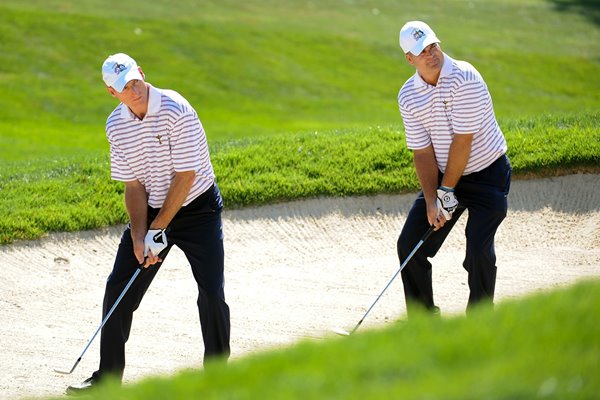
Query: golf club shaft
[[137, 271], [423, 239]]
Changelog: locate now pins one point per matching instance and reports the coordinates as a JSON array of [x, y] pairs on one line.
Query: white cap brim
[[133, 73], [419, 47]]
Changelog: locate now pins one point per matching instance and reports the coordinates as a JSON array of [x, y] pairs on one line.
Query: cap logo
[[418, 34], [119, 68]]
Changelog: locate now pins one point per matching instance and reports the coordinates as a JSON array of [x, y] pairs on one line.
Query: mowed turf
[[74, 193], [544, 346], [263, 66]]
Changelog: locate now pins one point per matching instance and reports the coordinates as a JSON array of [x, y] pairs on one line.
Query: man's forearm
[[458, 156], [178, 192], [427, 172], [136, 203]]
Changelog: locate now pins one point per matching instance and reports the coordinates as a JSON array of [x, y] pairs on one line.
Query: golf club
[[137, 271], [344, 332]]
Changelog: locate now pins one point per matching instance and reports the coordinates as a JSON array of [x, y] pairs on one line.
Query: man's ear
[[111, 91], [408, 57], [141, 72]]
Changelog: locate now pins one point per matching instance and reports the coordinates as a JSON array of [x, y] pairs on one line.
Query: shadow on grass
[[588, 8]]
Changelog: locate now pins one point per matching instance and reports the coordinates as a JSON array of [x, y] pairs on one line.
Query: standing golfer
[[159, 150], [460, 158]]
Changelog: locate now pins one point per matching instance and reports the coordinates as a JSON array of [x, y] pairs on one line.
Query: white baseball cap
[[118, 69], [415, 36]]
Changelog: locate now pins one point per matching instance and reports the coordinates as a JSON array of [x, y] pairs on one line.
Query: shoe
[[83, 387]]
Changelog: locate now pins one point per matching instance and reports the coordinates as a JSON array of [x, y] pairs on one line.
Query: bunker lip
[[293, 270]]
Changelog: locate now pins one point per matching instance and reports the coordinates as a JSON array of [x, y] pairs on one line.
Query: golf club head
[[340, 331], [72, 369], [63, 372]]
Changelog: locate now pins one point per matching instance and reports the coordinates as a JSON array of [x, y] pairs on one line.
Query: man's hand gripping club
[[446, 202], [154, 242]]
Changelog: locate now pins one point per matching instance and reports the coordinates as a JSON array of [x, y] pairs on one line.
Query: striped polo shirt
[[459, 104], [169, 139]]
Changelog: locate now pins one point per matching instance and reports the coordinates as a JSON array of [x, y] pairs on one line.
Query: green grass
[[75, 193], [268, 67], [544, 346], [68, 194]]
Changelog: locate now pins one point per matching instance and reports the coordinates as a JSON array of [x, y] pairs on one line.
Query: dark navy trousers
[[484, 194], [197, 230]]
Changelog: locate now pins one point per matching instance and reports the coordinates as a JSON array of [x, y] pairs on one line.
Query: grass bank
[[76, 193]]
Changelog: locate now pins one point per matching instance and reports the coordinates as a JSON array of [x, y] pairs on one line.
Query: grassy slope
[[544, 346], [76, 193], [375, 160], [268, 67]]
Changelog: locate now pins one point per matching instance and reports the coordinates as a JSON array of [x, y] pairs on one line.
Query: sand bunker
[[293, 271]]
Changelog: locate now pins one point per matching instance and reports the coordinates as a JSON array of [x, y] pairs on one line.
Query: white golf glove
[[155, 241], [446, 202]]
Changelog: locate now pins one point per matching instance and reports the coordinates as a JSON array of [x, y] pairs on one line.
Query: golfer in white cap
[[158, 149], [460, 158]]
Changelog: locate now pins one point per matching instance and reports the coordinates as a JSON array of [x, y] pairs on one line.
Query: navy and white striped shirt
[[460, 103], [169, 139]]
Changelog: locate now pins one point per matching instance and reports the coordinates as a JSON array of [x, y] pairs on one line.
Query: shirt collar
[[446, 70], [447, 67], [154, 101], [154, 97]]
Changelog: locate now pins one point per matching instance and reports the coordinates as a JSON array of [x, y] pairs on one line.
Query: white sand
[[293, 271]]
